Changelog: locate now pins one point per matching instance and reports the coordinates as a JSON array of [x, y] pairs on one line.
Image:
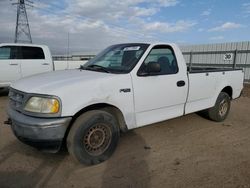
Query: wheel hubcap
[[97, 139], [223, 108]]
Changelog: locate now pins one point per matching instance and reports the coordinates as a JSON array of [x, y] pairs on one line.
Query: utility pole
[[22, 33]]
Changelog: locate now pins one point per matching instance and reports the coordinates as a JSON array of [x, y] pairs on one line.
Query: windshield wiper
[[98, 68]]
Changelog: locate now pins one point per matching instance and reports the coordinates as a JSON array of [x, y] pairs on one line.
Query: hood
[[46, 83]]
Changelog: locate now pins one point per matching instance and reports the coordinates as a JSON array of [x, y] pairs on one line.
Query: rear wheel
[[221, 109], [93, 137]]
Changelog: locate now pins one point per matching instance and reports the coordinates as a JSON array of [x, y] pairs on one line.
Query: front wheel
[[93, 137], [221, 109]]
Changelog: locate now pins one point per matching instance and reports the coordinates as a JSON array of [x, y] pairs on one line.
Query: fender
[[128, 119]]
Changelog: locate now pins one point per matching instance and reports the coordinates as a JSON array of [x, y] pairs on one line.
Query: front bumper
[[43, 133]]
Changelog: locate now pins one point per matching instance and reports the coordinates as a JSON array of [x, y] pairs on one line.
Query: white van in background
[[21, 60]]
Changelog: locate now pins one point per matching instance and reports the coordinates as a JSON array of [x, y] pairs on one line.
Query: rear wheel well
[[229, 91], [105, 107]]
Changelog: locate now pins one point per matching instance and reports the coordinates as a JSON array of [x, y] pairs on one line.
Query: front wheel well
[[105, 107], [228, 90]]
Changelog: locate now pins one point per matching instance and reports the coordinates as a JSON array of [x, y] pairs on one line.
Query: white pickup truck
[[21, 60], [124, 87]]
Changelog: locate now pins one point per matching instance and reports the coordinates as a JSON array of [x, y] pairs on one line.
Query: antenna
[[22, 33], [68, 53]]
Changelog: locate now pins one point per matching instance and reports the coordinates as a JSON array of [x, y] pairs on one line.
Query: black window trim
[[159, 74]]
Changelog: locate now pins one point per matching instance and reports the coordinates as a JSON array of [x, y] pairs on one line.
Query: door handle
[[181, 83], [13, 63], [45, 63]]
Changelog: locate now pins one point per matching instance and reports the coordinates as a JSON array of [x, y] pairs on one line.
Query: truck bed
[[205, 84]]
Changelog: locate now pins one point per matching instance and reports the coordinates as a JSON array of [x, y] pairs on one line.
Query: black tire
[[93, 137], [221, 109]]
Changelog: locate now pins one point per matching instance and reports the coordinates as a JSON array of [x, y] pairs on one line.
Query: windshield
[[119, 58]]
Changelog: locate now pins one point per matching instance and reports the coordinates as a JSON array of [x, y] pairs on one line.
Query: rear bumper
[[43, 133]]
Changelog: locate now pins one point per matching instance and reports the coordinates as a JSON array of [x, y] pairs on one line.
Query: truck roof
[[22, 44], [149, 43]]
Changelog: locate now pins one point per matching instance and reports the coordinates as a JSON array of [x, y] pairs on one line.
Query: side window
[[10, 52], [164, 56], [15, 52], [32, 53], [5, 52]]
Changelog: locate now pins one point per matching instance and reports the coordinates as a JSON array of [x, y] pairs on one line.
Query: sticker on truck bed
[[132, 48]]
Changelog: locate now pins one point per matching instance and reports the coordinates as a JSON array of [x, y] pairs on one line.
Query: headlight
[[42, 105]]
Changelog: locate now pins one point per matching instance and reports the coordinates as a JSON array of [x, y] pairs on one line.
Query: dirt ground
[[184, 152]]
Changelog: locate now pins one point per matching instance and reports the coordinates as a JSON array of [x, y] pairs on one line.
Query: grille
[[16, 99]]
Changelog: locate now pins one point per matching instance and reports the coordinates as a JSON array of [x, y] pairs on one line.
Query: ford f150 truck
[[21, 60], [126, 86]]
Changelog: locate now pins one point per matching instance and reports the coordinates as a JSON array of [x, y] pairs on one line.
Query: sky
[[91, 25]]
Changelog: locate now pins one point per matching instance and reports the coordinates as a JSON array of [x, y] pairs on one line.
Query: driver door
[[159, 96]]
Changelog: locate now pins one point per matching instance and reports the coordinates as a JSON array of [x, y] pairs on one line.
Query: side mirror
[[153, 67]]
